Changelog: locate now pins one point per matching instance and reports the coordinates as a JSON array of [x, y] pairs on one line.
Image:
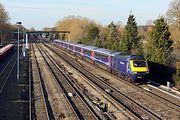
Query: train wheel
[[126, 78], [130, 80], [111, 70]]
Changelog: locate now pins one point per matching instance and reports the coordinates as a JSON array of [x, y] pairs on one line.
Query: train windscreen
[[139, 63]]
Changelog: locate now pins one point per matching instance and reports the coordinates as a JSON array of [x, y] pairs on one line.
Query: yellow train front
[[131, 67]]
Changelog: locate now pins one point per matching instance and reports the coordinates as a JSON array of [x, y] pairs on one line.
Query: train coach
[[133, 68], [5, 50], [102, 58], [78, 50], [88, 53]]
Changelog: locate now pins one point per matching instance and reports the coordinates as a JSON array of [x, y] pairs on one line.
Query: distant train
[[133, 68], [5, 50]]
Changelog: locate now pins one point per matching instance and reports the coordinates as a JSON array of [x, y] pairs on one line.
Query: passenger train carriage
[[88, 53], [102, 57], [129, 67], [78, 49]]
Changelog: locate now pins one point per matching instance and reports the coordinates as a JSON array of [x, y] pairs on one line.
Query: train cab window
[[139, 63]]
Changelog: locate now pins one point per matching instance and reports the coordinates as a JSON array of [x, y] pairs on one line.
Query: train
[[5, 50], [133, 68]]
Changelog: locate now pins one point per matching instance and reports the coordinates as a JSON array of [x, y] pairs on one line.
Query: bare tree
[[3, 23], [3, 15], [173, 14]]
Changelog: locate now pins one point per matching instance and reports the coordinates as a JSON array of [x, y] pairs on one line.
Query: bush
[[161, 73]]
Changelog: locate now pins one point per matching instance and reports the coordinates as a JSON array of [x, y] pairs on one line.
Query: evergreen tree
[[112, 39], [158, 49], [98, 43], [131, 41], [91, 33]]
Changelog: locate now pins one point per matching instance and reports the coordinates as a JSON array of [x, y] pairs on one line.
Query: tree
[[98, 43], [5, 27], [33, 29], [103, 33], [112, 37], [158, 49], [3, 15], [173, 13], [130, 42], [91, 34], [76, 25], [173, 17]]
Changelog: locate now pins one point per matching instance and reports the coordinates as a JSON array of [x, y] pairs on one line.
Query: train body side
[[119, 64]]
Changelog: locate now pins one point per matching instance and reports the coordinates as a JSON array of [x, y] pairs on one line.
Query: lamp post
[[18, 24]]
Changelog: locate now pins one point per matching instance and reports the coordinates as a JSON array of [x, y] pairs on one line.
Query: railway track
[[171, 103], [167, 108], [135, 110], [74, 98], [40, 100], [14, 100], [6, 72]]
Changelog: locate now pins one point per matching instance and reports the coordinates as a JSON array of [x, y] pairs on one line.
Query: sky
[[46, 13]]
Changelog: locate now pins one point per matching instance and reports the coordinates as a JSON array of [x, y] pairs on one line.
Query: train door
[[122, 66], [127, 67], [116, 64]]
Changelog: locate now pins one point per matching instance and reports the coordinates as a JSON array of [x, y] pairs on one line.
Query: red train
[[5, 50]]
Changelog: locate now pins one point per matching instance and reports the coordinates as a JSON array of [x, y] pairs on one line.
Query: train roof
[[80, 45], [129, 56], [62, 41], [90, 47], [3, 49], [72, 43], [104, 51], [116, 53], [137, 57], [120, 54], [58, 40]]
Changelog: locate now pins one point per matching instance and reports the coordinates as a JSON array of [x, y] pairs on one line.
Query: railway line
[[122, 101], [151, 102], [75, 106], [173, 102], [52, 93], [13, 92], [39, 91], [6, 72]]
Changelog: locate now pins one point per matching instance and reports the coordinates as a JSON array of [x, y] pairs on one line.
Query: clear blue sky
[[45, 13]]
